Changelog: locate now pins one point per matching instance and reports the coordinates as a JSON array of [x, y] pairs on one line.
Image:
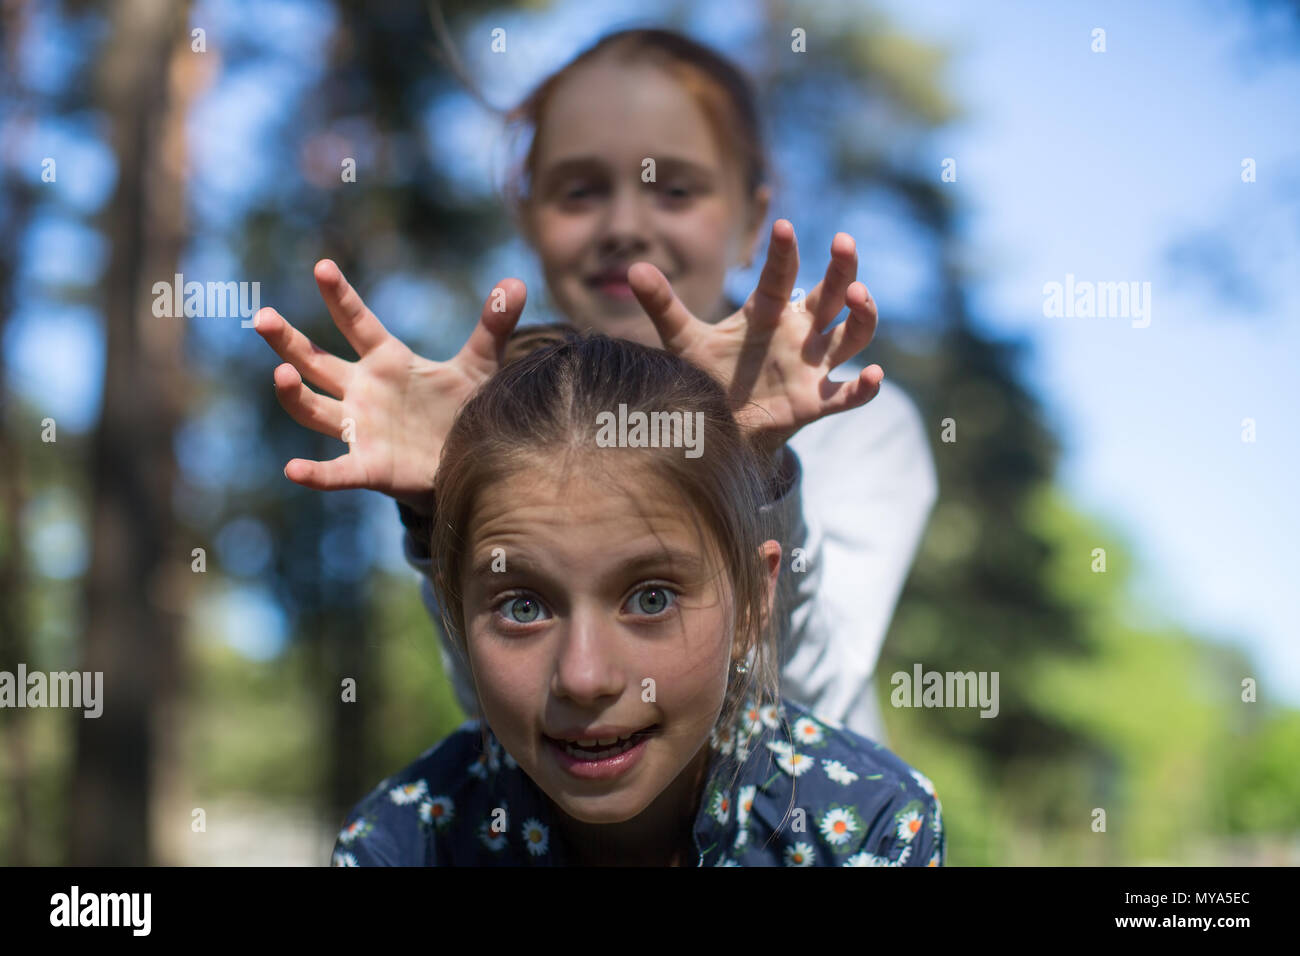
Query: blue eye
[[521, 610], [652, 600]]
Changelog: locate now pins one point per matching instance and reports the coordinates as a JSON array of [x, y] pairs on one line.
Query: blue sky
[[1097, 165], [1069, 162]]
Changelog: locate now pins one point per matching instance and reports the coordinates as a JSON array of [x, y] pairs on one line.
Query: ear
[[771, 551], [756, 215]]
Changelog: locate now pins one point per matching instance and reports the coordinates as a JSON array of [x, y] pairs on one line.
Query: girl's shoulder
[[397, 823], [817, 794]]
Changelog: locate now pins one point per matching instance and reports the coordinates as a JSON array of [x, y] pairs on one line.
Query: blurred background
[[143, 139]]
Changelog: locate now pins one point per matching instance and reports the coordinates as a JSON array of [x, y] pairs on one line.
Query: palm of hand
[[773, 368], [772, 355], [392, 407], [403, 406]]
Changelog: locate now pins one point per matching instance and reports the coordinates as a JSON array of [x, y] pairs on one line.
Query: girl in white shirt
[[644, 183]]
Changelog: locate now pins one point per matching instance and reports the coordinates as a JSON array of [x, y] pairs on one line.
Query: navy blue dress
[[809, 793]]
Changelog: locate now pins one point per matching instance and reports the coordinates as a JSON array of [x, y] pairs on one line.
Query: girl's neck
[[661, 835]]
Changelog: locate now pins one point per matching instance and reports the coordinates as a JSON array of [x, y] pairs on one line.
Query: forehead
[[624, 112], [585, 515]]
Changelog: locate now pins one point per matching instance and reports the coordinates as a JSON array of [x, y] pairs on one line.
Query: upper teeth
[[601, 742]]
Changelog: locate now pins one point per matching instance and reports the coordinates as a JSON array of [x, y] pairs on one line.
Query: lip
[[613, 289], [603, 732], [609, 767], [611, 283]]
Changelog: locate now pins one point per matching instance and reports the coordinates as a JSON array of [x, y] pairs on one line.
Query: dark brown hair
[[543, 405]]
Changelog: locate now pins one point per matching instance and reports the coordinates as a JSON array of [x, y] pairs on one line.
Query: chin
[[602, 810], [635, 327]]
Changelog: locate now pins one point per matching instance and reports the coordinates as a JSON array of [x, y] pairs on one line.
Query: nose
[[624, 232], [588, 666]]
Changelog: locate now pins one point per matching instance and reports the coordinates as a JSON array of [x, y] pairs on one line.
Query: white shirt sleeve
[[868, 487]]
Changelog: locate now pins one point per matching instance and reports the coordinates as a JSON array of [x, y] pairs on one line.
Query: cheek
[[691, 673], [507, 687], [702, 244], [705, 230], [561, 239]]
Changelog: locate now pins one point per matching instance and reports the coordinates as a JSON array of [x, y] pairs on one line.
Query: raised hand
[[774, 355], [392, 407]]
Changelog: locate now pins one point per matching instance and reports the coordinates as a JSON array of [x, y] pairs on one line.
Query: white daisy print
[[723, 740], [780, 748], [478, 768], [801, 854], [909, 824], [508, 760], [536, 836], [838, 772], [726, 861], [752, 718], [934, 860], [720, 806], [493, 840], [770, 716], [838, 824], [745, 803], [742, 748], [344, 858], [924, 781], [408, 792], [357, 828], [437, 811], [867, 859], [795, 764], [806, 731]]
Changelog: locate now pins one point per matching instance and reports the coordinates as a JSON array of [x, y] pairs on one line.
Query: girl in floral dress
[[612, 604]]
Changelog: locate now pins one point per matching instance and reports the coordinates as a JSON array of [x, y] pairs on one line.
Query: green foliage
[[1262, 777], [418, 707], [1165, 745]]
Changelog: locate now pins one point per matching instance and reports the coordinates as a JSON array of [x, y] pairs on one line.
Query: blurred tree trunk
[[13, 604], [138, 567]]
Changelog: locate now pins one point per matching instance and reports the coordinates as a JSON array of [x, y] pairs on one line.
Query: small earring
[[742, 667]]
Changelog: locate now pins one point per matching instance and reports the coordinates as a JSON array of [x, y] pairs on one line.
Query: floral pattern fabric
[[808, 793]]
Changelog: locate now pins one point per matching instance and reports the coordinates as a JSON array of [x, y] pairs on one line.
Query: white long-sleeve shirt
[[861, 488]]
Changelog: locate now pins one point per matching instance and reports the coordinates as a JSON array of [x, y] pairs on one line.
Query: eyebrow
[[684, 563], [587, 164]]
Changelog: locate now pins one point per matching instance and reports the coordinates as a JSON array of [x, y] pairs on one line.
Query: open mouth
[[592, 751]]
